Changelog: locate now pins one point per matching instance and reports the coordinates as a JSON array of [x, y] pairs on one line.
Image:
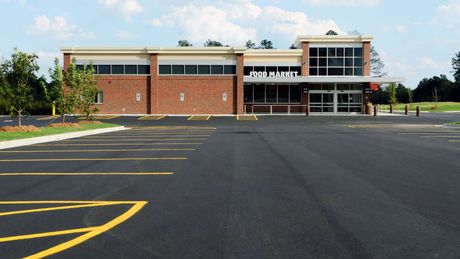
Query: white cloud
[[125, 35], [448, 14], [401, 29], [58, 27], [48, 57], [232, 24], [128, 8], [344, 2], [428, 64]]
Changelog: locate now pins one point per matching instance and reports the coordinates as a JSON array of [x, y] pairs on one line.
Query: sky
[[415, 39]]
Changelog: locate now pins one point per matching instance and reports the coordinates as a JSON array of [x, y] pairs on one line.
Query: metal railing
[[271, 111]]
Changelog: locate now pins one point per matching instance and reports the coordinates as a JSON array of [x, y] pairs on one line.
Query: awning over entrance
[[324, 79]]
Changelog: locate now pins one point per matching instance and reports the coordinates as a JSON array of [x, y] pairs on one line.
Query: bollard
[[376, 109], [406, 110], [391, 108], [418, 110], [53, 109], [307, 111]]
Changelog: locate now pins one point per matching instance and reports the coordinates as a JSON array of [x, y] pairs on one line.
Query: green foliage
[[250, 45], [456, 67], [213, 43], [88, 90], [437, 87], [18, 83], [391, 89], [331, 32], [266, 44], [184, 43]]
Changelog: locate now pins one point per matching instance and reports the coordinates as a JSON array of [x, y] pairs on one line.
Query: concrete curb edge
[[56, 137]]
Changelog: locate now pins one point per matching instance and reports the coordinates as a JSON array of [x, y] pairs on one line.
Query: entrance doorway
[[336, 98]]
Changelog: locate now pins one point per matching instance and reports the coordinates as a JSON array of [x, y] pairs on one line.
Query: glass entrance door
[[332, 99]]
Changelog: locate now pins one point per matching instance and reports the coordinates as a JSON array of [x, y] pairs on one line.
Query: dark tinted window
[[358, 71], [295, 94], [322, 62], [313, 62], [322, 52], [313, 52], [217, 69], [313, 71], [191, 69], [283, 93], [331, 52], [230, 69], [248, 98], [104, 69], [358, 52], [283, 69], [177, 69], [349, 52], [130, 69], [358, 62], [259, 93], [296, 69], [164, 70], [204, 70], [271, 69], [335, 71], [322, 71], [117, 69], [340, 52], [247, 70], [335, 62], [143, 69], [259, 69], [79, 67]]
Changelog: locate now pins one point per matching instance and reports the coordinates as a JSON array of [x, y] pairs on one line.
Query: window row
[[322, 71], [336, 62], [336, 52], [261, 93], [119, 69], [268, 69], [197, 70], [332, 87]]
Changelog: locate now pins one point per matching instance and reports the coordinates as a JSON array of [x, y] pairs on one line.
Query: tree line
[[22, 92]]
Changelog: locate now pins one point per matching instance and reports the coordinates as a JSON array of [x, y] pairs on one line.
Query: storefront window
[[271, 94], [259, 93], [295, 94], [283, 93]]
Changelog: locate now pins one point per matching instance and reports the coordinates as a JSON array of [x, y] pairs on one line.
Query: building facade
[[324, 75]]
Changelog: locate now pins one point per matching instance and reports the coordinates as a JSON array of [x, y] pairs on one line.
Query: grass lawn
[[455, 123], [426, 106], [51, 131]]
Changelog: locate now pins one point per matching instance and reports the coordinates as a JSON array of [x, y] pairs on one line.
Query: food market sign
[[273, 74]]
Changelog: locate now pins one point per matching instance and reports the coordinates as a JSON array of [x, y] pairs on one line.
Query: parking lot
[[218, 187]]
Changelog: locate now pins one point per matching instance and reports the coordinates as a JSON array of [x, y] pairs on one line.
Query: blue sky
[[415, 39]]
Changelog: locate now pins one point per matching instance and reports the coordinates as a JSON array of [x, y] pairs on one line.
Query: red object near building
[[374, 87]]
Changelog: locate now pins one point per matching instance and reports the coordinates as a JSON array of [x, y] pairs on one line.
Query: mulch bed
[[19, 129], [62, 125], [89, 122]]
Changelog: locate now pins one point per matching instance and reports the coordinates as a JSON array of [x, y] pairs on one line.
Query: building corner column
[[239, 84], [152, 91], [366, 58], [66, 61], [305, 72]]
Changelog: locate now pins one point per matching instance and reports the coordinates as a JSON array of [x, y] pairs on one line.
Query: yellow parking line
[[124, 140], [199, 117], [246, 117], [114, 144], [152, 117], [93, 159], [96, 150], [80, 174], [173, 128], [8, 213], [454, 141], [47, 234]]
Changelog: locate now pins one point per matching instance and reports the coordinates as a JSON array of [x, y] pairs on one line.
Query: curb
[[56, 137]]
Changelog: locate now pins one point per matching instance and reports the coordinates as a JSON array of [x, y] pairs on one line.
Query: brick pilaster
[[239, 84], [153, 105]]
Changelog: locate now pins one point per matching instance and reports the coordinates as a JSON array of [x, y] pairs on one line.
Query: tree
[[250, 45], [377, 64], [436, 88], [266, 44], [331, 32], [15, 88], [456, 66], [184, 43], [391, 89], [402, 93], [70, 90], [213, 43], [87, 92]]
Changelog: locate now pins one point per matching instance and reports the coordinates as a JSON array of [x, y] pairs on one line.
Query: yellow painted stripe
[[65, 202], [96, 150], [124, 140], [113, 144], [152, 117], [246, 118], [8, 213], [47, 234], [93, 159], [454, 141], [80, 174], [97, 231]]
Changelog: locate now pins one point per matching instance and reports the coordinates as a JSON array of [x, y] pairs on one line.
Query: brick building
[[324, 75]]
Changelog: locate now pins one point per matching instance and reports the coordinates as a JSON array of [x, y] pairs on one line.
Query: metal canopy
[[324, 79]]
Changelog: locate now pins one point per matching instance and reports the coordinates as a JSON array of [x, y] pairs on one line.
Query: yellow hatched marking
[[97, 150], [124, 140], [93, 159], [80, 174], [152, 117], [246, 117], [113, 144], [199, 117], [90, 232]]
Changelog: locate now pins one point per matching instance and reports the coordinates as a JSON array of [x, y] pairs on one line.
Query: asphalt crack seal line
[[90, 231]]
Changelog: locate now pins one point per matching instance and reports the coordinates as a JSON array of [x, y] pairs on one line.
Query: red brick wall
[[203, 94], [366, 58], [239, 109], [67, 61], [120, 94], [153, 87], [305, 58]]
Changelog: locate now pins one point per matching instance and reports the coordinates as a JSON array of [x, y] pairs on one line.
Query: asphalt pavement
[[277, 187]]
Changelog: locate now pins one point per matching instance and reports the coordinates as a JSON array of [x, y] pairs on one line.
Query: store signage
[[273, 74]]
